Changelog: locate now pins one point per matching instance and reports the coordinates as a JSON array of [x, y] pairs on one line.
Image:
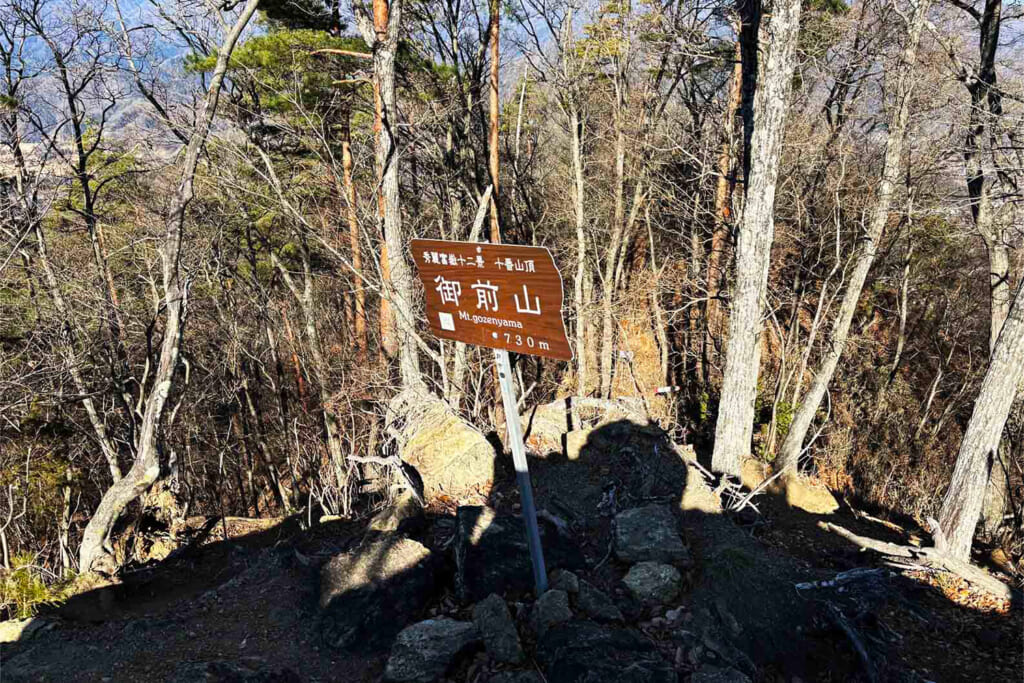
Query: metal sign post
[[515, 438], [506, 297]]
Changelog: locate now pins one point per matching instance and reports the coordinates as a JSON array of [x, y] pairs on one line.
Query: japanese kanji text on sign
[[501, 296]]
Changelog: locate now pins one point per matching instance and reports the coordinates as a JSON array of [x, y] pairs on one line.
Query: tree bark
[[400, 284], [986, 109], [963, 502], [735, 422], [388, 323], [580, 289], [723, 200], [146, 468], [359, 309], [68, 344], [493, 162], [619, 216], [901, 85], [985, 113]]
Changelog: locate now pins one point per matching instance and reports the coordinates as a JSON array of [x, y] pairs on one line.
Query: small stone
[[422, 652], [596, 605], [659, 622], [564, 580], [674, 616], [552, 608], [495, 624], [653, 583]]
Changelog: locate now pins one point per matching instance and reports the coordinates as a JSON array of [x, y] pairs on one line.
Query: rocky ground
[[640, 591]]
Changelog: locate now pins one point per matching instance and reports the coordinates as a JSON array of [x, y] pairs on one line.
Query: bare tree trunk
[[146, 469], [493, 153], [901, 84], [962, 505], [735, 423], [582, 271], [494, 158], [68, 343], [933, 389], [985, 113], [986, 109], [359, 309], [304, 297], [388, 323], [619, 217], [660, 328], [400, 285], [901, 335], [64, 528], [723, 199]]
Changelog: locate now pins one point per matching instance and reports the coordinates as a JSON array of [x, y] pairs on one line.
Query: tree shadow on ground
[[747, 568], [253, 598]]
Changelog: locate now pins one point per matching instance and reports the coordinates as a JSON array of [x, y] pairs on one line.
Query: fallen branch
[[860, 514], [757, 489], [926, 558], [843, 578]]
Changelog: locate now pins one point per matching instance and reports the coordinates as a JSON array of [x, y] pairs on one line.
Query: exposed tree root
[[925, 558]]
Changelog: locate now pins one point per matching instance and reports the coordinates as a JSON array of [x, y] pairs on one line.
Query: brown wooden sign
[[503, 296]]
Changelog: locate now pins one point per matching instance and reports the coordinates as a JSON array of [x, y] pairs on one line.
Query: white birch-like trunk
[[735, 423], [962, 505]]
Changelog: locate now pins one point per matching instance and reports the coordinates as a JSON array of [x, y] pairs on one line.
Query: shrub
[[23, 589]]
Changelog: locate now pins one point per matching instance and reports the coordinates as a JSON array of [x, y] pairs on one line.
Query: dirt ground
[[251, 600]]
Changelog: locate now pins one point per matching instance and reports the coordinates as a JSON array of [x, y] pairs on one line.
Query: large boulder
[[809, 496], [585, 652], [368, 594], [649, 534], [653, 583], [494, 622], [450, 456], [424, 651], [492, 556], [545, 427]]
